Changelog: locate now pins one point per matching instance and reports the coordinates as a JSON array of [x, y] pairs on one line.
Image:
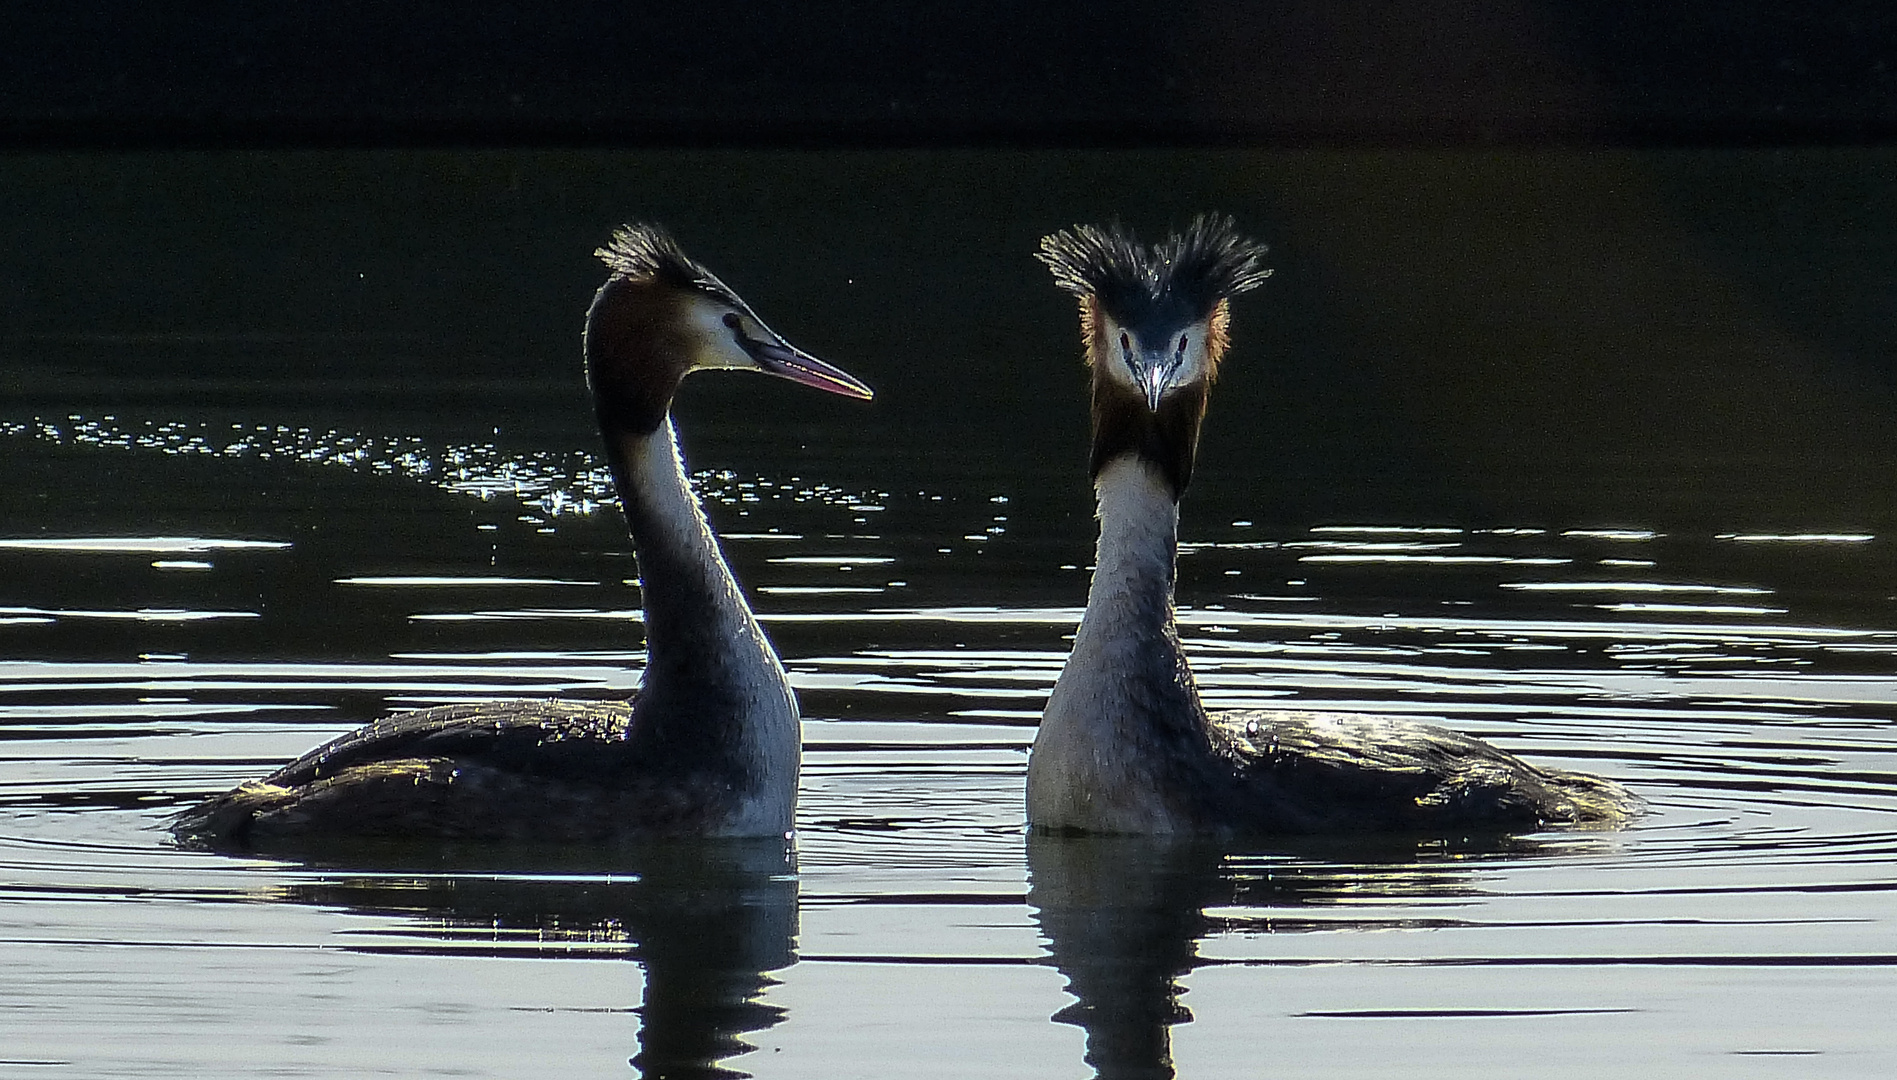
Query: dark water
[[1589, 454]]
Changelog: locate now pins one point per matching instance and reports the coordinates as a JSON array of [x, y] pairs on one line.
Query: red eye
[[1182, 344], [1126, 343]]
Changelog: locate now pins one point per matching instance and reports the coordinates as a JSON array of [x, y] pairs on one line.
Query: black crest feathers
[[644, 252], [647, 253], [1177, 280]]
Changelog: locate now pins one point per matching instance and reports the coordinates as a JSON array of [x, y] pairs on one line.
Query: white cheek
[[1194, 368], [1114, 362], [1117, 372], [717, 345], [1193, 365]]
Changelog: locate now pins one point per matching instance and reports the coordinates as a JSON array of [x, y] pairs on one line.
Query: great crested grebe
[[707, 747], [1125, 745]]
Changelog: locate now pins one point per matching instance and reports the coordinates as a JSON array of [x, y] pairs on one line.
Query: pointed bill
[[1153, 380], [786, 361]]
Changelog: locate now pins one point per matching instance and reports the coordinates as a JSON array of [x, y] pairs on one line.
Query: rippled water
[[202, 580], [1749, 916]]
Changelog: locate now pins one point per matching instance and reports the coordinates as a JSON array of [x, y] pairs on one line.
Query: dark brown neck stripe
[[1167, 439], [636, 354]]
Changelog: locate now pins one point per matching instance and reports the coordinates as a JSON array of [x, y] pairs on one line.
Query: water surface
[[247, 512]]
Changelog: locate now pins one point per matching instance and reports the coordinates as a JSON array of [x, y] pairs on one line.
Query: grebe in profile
[[707, 747], [1125, 745]]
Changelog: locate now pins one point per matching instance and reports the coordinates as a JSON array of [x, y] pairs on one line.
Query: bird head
[[1155, 323], [661, 316]]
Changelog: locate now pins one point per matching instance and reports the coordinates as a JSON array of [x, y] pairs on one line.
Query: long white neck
[[714, 695], [1125, 702], [1131, 597]]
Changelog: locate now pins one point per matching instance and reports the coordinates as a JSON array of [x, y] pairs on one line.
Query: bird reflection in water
[[707, 920], [1123, 917]]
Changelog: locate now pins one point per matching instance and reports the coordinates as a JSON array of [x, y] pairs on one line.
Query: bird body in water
[[1125, 745], [708, 746]]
